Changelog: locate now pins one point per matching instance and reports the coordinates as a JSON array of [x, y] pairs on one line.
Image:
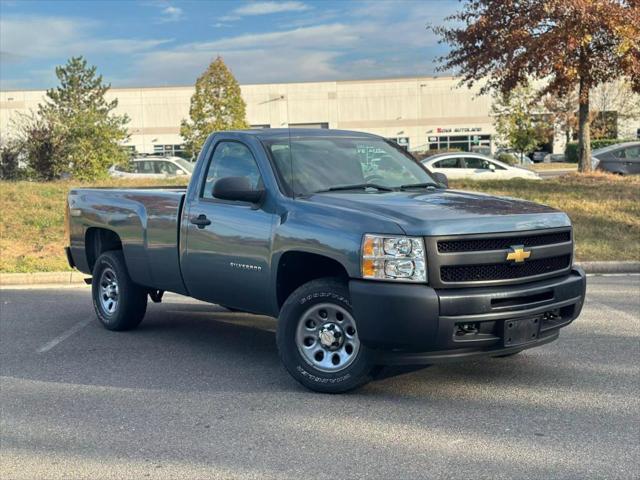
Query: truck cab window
[[231, 159]]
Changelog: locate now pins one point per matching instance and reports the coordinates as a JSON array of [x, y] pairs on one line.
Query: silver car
[[475, 167], [622, 158], [153, 167]]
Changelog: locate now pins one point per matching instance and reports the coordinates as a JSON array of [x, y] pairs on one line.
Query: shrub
[[9, 162], [507, 158], [571, 152]]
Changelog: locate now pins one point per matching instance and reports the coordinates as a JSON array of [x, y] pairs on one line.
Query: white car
[[475, 167], [153, 167]]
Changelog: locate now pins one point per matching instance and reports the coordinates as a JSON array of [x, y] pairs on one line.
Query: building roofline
[[362, 80]]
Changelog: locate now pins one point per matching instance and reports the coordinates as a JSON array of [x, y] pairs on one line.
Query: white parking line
[[61, 338]]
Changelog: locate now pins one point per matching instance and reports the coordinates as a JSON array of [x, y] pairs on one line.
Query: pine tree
[[82, 119], [216, 105]]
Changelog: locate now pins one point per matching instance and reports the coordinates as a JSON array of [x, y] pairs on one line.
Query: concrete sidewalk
[[74, 277]]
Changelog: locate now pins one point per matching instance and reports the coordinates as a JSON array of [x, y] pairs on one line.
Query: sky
[[171, 42]]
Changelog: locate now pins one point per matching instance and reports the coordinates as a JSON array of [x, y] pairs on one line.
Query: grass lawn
[[605, 211]]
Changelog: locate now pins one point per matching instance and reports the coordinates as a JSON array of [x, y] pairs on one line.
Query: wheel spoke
[[109, 291], [323, 340]]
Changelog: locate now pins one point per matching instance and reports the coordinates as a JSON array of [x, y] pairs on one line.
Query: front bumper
[[413, 324]]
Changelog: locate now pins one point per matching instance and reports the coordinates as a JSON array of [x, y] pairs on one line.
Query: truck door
[[228, 244]]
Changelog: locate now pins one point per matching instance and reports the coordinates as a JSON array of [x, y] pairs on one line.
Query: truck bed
[[146, 221]]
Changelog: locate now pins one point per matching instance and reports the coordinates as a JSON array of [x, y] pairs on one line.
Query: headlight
[[393, 258]]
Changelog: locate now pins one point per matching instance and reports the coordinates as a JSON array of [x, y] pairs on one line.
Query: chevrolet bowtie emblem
[[518, 254]]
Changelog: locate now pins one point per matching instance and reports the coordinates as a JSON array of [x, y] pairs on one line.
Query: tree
[[562, 111], [565, 43], [82, 119], [613, 103], [216, 105], [514, 123]]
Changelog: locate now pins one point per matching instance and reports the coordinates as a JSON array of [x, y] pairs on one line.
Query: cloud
[[61, 37], [266, 8], [171, 14]]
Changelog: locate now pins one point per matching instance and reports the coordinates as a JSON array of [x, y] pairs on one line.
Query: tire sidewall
[[106, 261], [132, 301], [310, 294]]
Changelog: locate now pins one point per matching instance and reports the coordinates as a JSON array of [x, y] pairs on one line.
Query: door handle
[[201, 221]]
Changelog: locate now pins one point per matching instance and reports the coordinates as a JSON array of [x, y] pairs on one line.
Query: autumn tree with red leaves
[[567, 44]]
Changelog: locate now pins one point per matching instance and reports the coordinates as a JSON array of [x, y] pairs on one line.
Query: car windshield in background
[[318, 164]]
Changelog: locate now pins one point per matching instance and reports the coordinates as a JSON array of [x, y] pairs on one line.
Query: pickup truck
[[365, 258]]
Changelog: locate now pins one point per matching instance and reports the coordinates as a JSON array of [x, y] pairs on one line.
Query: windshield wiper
[[417, 185], [357, 186]]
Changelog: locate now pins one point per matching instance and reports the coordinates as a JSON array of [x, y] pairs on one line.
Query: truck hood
[[448, 212]]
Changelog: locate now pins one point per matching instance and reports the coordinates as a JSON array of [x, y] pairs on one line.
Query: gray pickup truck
[[365, 258]]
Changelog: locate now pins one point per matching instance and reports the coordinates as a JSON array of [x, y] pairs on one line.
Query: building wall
[[420, 111]]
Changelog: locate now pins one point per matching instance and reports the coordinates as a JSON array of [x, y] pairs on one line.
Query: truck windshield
[[319, 164]]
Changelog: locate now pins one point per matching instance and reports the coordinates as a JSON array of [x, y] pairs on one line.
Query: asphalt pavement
[[199, 392]]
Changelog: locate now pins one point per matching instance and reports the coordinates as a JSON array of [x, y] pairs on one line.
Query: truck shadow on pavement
[[201, 347]]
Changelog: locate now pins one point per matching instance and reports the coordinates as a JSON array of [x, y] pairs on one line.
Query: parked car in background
[[555, 158], [153, 167], [623, 158], [538, 157], [476, 167]]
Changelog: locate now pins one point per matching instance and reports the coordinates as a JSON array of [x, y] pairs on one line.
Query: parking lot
[[198, 392]]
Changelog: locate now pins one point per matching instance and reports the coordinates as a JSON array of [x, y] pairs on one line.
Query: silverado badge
[[518, 254]]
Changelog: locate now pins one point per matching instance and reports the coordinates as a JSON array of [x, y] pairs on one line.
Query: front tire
[[119, 303], [318, 339]]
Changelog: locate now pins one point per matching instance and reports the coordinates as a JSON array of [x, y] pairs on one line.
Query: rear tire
[[318, 340], [119, 303]]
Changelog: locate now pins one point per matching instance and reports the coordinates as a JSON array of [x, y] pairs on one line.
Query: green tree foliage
[[216, 105], [514, 123], [85, 133]]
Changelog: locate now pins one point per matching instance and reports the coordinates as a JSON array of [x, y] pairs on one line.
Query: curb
[[42, 278], [610, 267], [77, 278]]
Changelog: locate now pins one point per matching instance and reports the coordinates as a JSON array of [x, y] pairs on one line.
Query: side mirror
[[237, 189], [441, 178], [180, 172], [492, 167]]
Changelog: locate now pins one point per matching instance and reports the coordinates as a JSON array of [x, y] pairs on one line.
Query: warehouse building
[[420, 113]]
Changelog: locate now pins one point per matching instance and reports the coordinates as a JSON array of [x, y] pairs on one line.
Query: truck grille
[[483, 244], [503, 271], [479, 260]]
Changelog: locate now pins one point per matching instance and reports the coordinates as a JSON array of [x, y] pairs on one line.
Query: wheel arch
[[98, 240], [297, 267]]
